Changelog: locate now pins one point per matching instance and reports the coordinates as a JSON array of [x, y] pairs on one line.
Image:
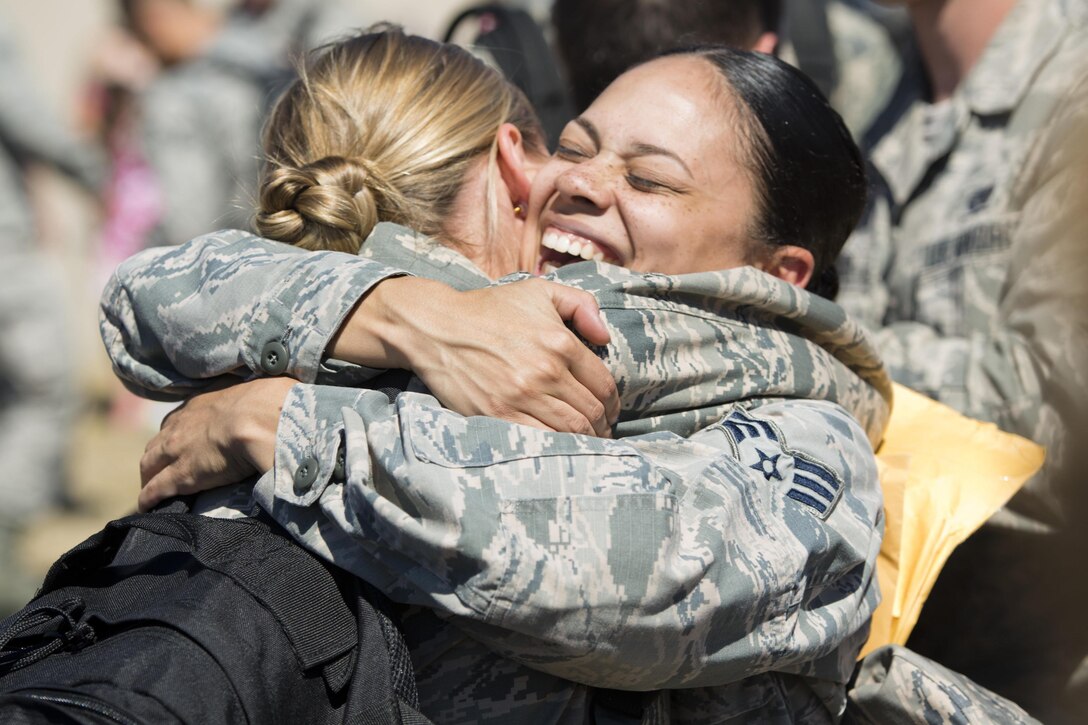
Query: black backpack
[[171, 617]]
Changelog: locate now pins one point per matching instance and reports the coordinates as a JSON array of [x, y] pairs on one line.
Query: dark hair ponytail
[[808, 172], [825, 283]]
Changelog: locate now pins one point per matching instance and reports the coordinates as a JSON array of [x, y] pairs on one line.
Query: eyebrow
[[640, 149], [590, 129]]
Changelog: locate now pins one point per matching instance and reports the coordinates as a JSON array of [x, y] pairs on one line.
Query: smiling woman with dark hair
[[721, 550], [780, 185]]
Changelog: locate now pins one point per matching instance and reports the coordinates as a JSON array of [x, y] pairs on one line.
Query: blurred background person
[[37, 390], [852, 49], [53, 373], [852, 57], [200, 117], [964, 268], [132, 206], [561, 60], [597, 40]]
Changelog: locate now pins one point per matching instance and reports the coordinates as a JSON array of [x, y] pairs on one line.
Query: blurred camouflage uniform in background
[[868, 63], [201, 117], [37, 386], [730, 540], [964, 267], [852, 58]]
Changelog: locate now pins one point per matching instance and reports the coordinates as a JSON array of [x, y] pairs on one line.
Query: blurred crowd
[[970, 262]]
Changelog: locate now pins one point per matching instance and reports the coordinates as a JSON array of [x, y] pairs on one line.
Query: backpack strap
[[517, 43], [810, 35]]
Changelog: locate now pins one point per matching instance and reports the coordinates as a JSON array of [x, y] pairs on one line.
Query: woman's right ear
[[515, 165], [789, 263]]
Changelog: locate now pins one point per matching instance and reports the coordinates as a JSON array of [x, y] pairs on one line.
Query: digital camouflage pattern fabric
[[732, 544], [895, 686], [971, 268]]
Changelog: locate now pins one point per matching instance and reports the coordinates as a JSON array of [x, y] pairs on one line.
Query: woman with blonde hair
[[387, 127], [721, 551]]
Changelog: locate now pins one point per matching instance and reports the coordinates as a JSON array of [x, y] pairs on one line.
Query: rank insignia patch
[[759, 445]]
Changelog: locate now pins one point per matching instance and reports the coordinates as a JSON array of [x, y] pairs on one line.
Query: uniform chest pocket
[[600, 555], [962, 275]]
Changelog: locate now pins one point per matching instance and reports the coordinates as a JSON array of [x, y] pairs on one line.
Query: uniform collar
[[772, 340], [402, 248], [1027, 38]]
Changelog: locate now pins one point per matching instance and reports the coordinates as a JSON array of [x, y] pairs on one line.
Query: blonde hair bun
[[327, 204], [382, 126]]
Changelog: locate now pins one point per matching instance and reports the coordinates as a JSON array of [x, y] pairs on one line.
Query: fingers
[[158, 481], [524, 365], [564, 385], [151, 495], [588, 370], [154, 459], [589, 373], [550, 413], [581, 309], [158, 471], [168, 483]]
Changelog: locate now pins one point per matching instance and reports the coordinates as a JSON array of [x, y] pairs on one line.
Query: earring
[[518, 210]]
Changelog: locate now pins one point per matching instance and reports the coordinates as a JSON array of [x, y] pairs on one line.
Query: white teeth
[[563, 244], [548, 268], [558, 242]]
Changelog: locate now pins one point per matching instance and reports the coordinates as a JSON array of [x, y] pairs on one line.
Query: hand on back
[[213, 439]]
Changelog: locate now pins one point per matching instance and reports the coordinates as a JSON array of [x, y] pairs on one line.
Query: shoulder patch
[[760, 445]]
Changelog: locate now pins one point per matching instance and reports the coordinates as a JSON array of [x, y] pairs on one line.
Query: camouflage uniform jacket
[[736, 562], [955, 264]]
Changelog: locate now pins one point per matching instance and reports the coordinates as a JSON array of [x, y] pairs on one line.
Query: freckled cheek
[[655, 235]]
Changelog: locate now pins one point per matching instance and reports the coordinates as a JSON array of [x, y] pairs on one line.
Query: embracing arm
[[648, 562], [227, 306]]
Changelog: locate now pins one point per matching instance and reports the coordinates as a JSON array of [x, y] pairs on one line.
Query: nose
[[586, 183]]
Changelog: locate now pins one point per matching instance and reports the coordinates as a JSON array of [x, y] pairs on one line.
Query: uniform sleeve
[[228, 305], [648, 562]]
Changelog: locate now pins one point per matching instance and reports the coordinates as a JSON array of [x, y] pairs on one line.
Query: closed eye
[[570, 152], [641, 183]]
